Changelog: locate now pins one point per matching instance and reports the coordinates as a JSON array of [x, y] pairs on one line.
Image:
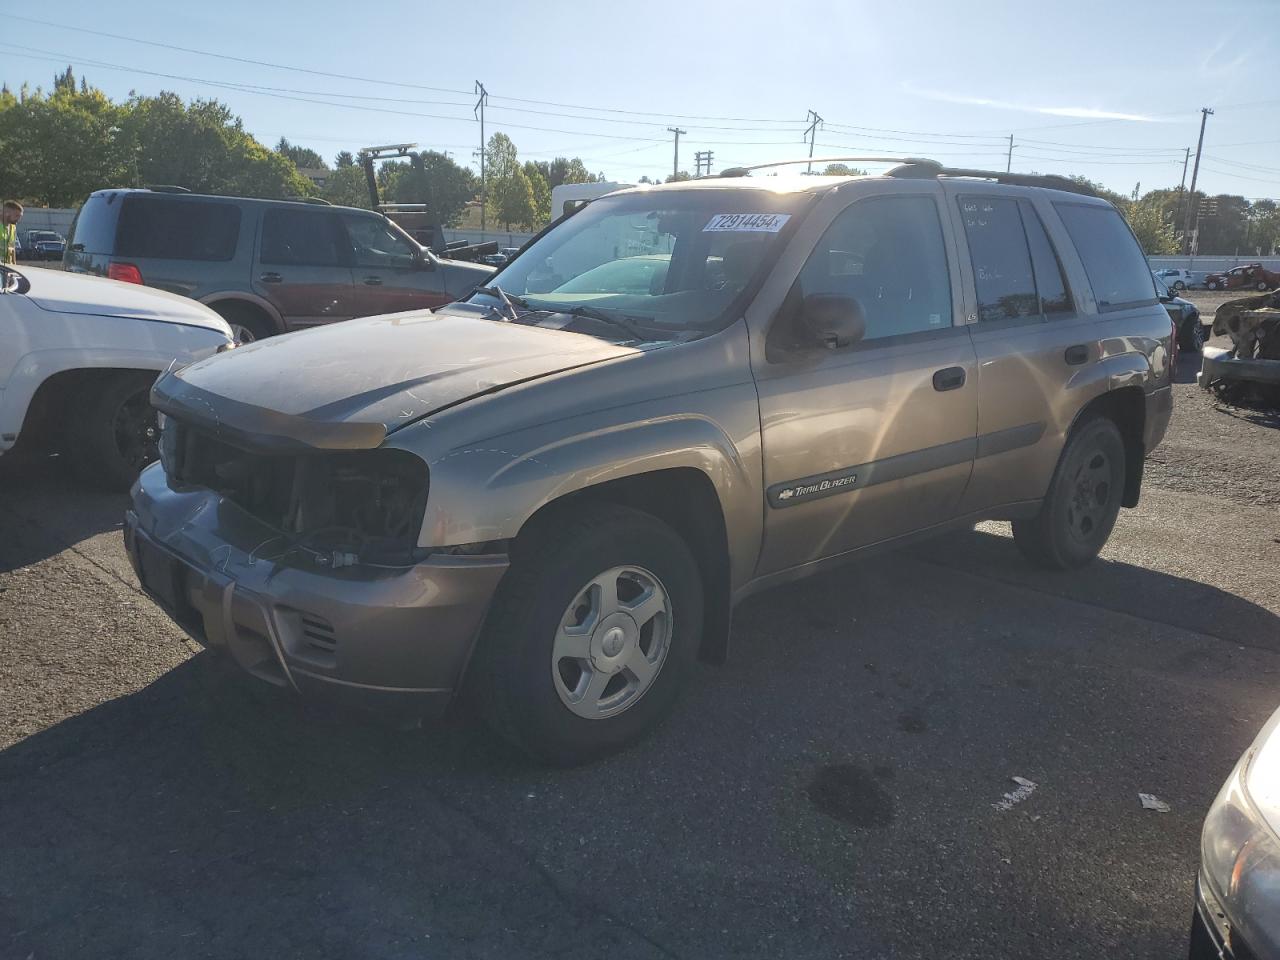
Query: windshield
[[676, 261]]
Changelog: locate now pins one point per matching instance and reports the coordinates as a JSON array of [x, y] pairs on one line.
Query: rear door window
[[1002, 271], [166, 228], [1113, 261], [301, 238]]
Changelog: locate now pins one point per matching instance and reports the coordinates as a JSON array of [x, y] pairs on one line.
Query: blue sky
[[1108, 90]]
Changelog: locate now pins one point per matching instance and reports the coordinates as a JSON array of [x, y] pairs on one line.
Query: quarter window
[[300, 238], [1051, 281], [887, 253], [165, 228], [1113, 261]]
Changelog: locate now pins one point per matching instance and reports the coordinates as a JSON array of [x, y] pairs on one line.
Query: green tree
[[442, 185], [516, 205], [842, 170], [678, 177], [541, 191], [562, 170], [345, 186], [204, 147], [1154, 231], [343, 159], [301, 156], [57, 149]]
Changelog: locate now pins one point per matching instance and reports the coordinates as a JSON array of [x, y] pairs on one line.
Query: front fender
[[488, 491]]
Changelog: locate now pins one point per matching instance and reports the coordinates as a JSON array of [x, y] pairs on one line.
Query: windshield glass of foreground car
[[672, 260]]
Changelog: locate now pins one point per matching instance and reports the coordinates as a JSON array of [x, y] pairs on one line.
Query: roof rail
[[166, 188], [930, 169], [743, 171], [320, 200]]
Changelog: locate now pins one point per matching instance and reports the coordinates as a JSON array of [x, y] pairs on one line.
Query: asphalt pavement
[[838, 789]]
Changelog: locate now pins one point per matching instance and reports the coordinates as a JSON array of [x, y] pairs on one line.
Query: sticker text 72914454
[[746, 222]]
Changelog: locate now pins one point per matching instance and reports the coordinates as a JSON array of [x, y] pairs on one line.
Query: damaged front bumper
[[393, 640]]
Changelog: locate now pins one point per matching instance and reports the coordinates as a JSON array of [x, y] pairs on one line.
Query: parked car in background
[[266, 266], [503, 256], [1250, 276], [1174, 278], [44, 245], [1192, 330], [1237, 909], [78, 356], [553, 494]]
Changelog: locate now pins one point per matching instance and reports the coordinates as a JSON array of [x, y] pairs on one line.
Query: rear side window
[[94, 230], [1002, 273], [300, 238], [164, 228], [1113, 261]]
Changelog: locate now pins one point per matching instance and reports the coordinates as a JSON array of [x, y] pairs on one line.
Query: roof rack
[[166, 188], [318, 200], [743, 171], [930, 169], [923, 168]]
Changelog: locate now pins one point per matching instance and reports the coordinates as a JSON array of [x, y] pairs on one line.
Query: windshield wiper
[[592, 313], [509, 300]]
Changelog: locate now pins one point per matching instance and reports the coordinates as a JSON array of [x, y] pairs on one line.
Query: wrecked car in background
[[553, 493], [1251, 276]]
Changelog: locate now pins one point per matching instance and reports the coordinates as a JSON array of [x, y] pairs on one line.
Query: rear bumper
[[392, 641]]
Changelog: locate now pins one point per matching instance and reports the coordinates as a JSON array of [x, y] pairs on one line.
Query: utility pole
[[702, 162], [1182, 186], [1195, 172], [1008, 163], [810, 132], [479, 111], [675, 163]]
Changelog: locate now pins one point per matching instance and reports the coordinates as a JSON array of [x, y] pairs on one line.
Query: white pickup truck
[[78, 356]]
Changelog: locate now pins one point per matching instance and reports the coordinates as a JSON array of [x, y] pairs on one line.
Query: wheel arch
[[1126, 407], [239, 300], [49, 406], [685, 498]]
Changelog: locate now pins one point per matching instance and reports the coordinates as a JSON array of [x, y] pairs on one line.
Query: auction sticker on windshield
[[746, 222]]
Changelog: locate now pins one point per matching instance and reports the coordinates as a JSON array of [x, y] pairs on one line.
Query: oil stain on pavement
[[850, 794]]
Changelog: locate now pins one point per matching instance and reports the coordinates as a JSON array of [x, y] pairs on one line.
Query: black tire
[[1191, 337], [1179, 285], [113, 432], [1083, 501], [1261, 285], [247, 322], [1211, 285], [511, 675]]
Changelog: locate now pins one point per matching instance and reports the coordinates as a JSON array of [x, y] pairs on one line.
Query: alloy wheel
[[611, 642], [136, 430]]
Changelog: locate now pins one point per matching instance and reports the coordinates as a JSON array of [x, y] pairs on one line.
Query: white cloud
[[1084, 113]]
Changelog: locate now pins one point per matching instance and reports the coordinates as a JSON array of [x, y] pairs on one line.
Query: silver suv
[[554, 493]]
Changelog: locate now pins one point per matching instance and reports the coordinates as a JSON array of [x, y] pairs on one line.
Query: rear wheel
[[1179, 285], [247, 322], [593, 634], [1261, 285], [116, 433], [1083, 501], [1191, 337]]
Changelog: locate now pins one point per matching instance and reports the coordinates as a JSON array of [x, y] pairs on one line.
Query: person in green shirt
[[10, 214]]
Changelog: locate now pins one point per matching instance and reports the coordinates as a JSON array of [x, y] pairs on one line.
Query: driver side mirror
[[832, 320]]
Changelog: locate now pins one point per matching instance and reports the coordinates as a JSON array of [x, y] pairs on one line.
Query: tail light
[[124, 272]]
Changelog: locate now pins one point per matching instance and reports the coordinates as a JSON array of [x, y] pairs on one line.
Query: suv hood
[[348, 385], [61, 292]]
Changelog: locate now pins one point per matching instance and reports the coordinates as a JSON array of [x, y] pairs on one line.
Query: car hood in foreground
[[348, 385], [61, 292]]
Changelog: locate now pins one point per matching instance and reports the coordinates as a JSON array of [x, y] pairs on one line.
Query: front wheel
[[594, 632], [1261, 285], [116, 433], [1080, 509], [1179, 285], [1211, 285], [1191, 339]]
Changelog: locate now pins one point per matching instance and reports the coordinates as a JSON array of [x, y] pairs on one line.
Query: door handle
[[270, 277], [1076, 355], [948, 378], [372, 281]]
